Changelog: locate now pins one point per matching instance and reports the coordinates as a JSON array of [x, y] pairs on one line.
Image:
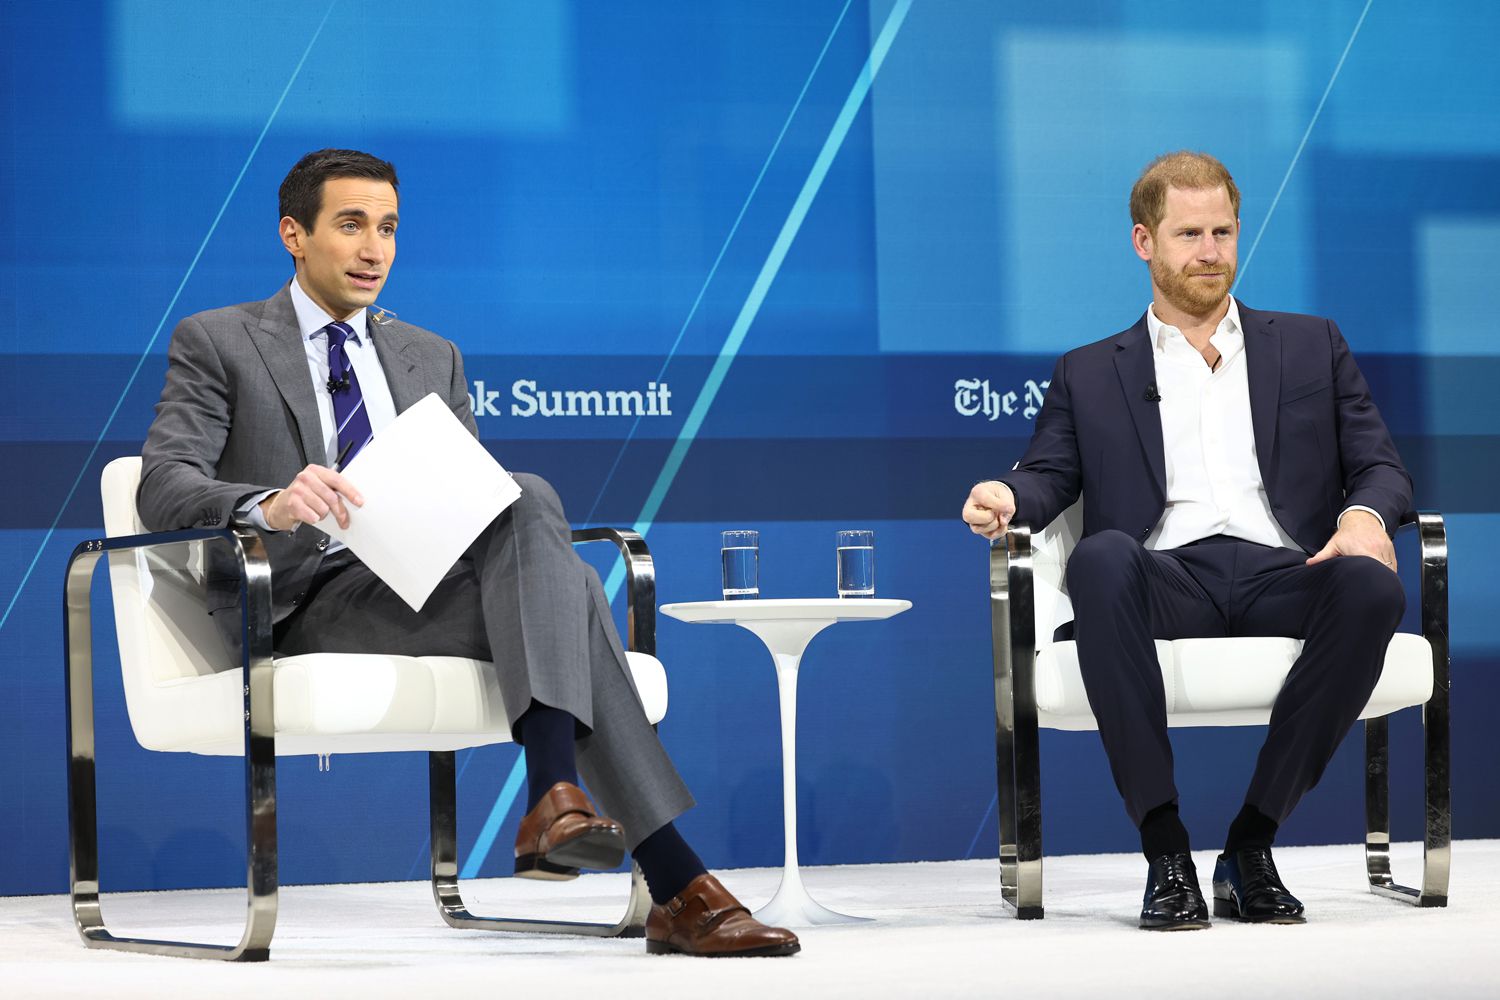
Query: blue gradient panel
[[1450, 113], [1066, 184], [486, 67], [1455, 255], [826, 286]]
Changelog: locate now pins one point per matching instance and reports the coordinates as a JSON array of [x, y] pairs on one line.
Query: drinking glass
[[856, 563], [740, 554]]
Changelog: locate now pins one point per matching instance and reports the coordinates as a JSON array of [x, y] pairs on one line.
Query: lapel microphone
[[377, 315], [1152, 396]]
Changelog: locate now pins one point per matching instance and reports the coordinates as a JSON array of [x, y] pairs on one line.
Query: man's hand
[[315, 492], [1359, 534], [989, 509]]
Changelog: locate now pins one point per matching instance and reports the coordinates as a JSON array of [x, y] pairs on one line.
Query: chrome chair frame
[[1018, 760], [260, 754], [1437, 833], [640, 637]]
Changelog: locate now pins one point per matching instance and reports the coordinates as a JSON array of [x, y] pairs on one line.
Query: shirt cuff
[[251, 509], [1367, 510]]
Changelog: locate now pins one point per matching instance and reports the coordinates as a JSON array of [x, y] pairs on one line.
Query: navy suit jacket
[[1320, 442]]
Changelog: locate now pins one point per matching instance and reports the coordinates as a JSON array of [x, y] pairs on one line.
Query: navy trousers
[[1125, 596]]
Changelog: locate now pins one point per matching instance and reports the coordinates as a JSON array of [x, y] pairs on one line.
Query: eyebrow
[[359, 213]]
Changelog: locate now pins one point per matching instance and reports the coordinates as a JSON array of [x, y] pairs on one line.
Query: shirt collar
[[311, 319], [1228, 332]]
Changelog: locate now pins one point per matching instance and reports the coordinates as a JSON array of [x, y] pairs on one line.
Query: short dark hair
[[302, 191]]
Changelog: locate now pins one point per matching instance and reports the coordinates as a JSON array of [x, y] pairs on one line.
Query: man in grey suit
[[264, 402]]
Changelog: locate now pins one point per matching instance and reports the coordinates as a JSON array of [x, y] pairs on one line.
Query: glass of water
[[856, 563], [740, 554]]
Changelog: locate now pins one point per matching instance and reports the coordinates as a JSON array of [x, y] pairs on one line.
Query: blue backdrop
[[832, 230]]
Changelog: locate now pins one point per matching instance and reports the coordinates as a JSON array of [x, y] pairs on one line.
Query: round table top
[[841, 609]]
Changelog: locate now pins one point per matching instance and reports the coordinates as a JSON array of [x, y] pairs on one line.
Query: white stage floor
[[940, 931]]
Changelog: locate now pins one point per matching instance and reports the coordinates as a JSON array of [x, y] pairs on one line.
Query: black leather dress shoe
[[1173, 900], [1247, 887]]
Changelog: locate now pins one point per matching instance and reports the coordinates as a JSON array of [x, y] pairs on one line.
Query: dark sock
[[668, 863], [1251, 828], [1162, 832], [547, 733]]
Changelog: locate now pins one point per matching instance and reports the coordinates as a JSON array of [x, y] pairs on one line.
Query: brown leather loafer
[[563, 834], [709, 922]]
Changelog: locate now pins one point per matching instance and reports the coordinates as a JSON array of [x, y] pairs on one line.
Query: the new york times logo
[[526, 399], [973, 397]]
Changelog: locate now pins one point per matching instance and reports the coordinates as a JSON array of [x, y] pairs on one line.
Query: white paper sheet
[[429, 488]]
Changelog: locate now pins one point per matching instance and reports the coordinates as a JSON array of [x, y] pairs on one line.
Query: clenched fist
[[989, 509]]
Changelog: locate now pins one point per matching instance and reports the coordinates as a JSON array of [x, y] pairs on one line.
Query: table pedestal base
[[793, 907], [786, 627]]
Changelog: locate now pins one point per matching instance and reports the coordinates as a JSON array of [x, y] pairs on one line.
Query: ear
[[1140, 239], [292, 235]]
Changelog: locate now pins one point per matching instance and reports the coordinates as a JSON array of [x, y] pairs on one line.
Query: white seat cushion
[[181, 698], [354, 703], [1225, 682]]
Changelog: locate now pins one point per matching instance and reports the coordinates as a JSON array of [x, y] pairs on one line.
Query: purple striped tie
[[348, 402]]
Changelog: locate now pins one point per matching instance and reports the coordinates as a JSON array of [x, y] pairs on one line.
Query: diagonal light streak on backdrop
[[1306, 132], [994, 801], [166, 314], [501, 807], [727, 353], [763, 281], [714, 269], [1318, 111]]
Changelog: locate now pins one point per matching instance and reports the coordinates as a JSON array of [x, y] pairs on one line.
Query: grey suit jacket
[[238, 417]]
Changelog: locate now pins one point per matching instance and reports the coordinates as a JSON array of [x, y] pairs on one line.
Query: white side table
[[786, 627]]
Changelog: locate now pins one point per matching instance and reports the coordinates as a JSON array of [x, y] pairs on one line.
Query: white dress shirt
[[1214, 485], [361, 351]]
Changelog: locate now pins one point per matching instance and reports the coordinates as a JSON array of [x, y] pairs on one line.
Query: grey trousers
[[520, 597]]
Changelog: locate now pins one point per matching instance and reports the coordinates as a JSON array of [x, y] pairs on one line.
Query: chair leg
[[1005, 787], [260, 778], [1028, 899], [1437, 832], [1017, 759], [1438, 827], [445, 888]]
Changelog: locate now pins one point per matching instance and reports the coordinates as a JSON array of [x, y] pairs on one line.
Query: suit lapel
[[1136, 366], [403, 372], [1263, 368], [279, 342]]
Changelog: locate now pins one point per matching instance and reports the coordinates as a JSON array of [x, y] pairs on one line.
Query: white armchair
[[1208, 682], [186, 691]]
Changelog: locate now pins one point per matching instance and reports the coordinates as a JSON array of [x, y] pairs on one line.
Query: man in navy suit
[[1237, 481]]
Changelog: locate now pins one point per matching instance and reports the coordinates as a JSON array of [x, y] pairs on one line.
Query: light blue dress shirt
[[363, 357]]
